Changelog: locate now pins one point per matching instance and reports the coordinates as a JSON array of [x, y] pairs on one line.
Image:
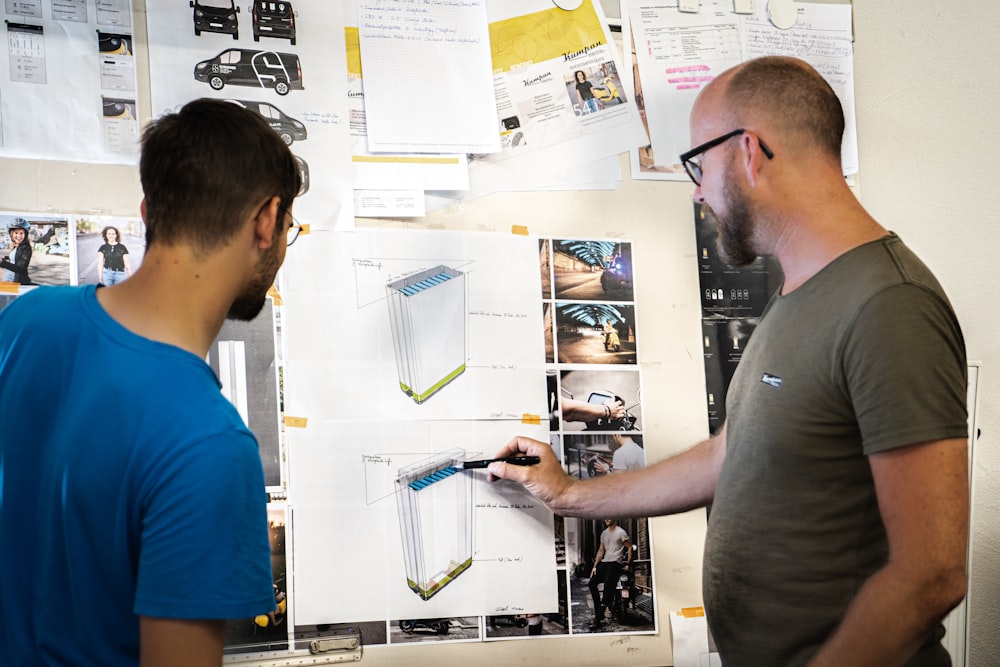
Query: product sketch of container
[[427, 313], [434, 499]]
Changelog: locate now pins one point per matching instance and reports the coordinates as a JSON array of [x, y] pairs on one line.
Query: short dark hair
[[204, 169], [104, 233], [793, 94]]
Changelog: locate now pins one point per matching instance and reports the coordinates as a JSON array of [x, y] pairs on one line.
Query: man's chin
[[245, 309]]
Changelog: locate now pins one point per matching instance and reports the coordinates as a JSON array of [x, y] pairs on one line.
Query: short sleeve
[[204, 550], [906, 369]]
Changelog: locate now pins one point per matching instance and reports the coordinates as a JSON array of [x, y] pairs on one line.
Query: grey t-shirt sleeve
[[906, 370]]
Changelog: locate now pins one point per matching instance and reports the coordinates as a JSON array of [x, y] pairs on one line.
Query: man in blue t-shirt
[[132, 502]]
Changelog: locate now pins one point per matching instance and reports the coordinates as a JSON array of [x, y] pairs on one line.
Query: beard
[[251, 300], [736, 228]]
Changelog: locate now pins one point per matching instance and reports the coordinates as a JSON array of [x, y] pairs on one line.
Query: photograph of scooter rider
[[595, 333]]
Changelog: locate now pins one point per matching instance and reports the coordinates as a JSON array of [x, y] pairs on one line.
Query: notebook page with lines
[[428, 79]]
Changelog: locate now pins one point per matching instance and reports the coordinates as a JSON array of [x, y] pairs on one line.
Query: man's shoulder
[[887, 262], [46, 303]]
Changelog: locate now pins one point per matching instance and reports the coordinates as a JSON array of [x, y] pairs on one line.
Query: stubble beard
[[251, 300], [736, 228]]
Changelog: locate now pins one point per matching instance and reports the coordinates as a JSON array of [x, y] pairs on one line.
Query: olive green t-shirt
[[864, 357]]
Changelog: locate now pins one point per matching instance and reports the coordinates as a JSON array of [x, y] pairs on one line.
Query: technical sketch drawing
[[435, 519], [428, 317]]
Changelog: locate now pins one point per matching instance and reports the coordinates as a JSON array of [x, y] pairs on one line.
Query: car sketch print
[[215, 16], [273, 19], [249, 67], [289, 129]]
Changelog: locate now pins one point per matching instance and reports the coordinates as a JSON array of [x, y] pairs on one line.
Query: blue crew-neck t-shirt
[[129, 486]]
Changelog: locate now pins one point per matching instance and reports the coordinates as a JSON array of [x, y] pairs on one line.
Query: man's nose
[[698, 197]]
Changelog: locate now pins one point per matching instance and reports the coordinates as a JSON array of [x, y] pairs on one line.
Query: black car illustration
[[273, 19], [215, 16], [248, 67], [288, 128]]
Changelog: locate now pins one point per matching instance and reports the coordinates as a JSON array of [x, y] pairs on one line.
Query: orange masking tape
[[692, 612], [10, 288], [295, 422], [530, 419], [520, 230]]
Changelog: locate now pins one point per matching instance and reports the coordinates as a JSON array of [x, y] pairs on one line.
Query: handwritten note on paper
[[678, 54], [822, 37], [428, 80]]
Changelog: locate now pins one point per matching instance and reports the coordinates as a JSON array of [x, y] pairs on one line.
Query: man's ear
[[266, 223], [753, 157]]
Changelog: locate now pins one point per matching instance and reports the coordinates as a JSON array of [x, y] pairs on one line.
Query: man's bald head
[[784, 96]]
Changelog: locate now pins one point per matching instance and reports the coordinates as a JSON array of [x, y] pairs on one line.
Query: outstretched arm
[[677, 484], [581, 411]]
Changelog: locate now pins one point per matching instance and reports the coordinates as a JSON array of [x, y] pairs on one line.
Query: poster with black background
[[732, 301]]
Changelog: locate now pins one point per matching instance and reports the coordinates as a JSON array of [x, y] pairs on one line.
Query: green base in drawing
[[428, 592], [423, 396]]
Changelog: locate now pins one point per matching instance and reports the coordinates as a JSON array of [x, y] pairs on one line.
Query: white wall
[[928, 87]]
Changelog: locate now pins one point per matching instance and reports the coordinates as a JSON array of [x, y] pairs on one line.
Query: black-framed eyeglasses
[[294, 230], [693, 166]]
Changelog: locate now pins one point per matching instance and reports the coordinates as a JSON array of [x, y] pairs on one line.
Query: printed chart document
[[678, 53], [428, 70]]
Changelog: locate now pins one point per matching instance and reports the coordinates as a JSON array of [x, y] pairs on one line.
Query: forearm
[[890, 618], [677, 484], [584, 412], [169, 642], [20, 268]]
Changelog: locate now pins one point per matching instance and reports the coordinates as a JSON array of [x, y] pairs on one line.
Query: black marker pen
[[513, 460]]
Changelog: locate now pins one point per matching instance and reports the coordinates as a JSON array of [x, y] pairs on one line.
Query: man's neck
[[175, 297], [827, 228]]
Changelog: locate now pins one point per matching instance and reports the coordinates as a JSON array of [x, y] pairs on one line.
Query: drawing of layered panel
[[434, 499], [427, 313]]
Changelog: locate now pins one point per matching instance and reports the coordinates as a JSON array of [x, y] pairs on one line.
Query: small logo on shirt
[[772, 380]]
